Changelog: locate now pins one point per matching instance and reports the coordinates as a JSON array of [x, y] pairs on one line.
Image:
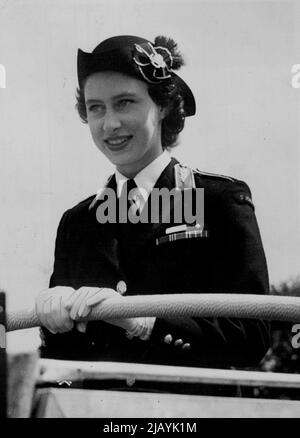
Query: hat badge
[[154, 63], [157, 61]]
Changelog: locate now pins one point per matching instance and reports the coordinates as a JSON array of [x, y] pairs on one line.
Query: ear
[[163, 112]]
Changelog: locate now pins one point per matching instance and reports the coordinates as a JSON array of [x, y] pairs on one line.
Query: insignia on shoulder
[[242, 198], [184, 177], [216, 175]]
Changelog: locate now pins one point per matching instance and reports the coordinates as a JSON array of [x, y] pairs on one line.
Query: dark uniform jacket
[[230, 259]]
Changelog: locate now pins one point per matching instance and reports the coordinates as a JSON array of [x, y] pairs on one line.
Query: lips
[[117, 143]]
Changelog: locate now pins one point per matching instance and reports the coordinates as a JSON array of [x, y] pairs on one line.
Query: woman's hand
[[82, 302], [51, 310]]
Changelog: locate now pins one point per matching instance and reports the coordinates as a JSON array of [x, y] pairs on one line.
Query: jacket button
[[168, 339], [178, 342], [130, 381], [186, 346], [121, 287]]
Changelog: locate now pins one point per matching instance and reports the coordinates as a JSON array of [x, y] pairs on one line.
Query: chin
[[120, 161]]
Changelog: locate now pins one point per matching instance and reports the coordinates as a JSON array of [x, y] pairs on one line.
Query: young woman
[[135, 105]]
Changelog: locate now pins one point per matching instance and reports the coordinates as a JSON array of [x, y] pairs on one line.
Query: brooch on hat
[[154, 63]]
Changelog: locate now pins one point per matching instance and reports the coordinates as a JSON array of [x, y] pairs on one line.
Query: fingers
[[58, 318], [128, 324], [47, 321], [79, 295], [135, 327], [71, 300], [62, 318], [46, 309], [79, 308], [79, 303], [51, 311], [86, 298], [103, 295], [96, 295]]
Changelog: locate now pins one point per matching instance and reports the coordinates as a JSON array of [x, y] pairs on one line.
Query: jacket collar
[[166, 179], [147, 177]]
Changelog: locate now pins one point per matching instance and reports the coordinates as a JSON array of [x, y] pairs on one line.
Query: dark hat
[[135, 57]]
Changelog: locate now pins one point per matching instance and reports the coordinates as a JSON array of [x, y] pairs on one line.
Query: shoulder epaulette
[[214, 175], [184, 177]]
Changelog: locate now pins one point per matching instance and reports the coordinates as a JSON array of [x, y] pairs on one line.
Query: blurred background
[[239, 56]]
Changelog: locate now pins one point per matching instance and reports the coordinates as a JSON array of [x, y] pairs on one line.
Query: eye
[[124, 103], [96, 109]]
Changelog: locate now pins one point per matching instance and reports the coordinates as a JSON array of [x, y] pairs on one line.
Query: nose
[[111, 122]]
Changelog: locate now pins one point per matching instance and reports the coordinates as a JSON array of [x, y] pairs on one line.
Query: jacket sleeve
[[239, 267], [60, 275], [71, 345]]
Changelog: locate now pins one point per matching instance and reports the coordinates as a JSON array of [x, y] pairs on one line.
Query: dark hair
[[166, 95]]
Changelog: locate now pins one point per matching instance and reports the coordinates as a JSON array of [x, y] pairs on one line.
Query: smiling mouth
[[117, 143]]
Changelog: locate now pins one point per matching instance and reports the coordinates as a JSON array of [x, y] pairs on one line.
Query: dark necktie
[[125, 200], [126, 229]]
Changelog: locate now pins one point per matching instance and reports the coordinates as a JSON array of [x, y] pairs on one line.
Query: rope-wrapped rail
[[266, 307]]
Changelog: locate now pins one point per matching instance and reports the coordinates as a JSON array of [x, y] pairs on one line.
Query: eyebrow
[[117, 96]]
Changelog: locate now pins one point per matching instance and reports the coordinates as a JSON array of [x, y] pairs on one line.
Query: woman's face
[[124, 121]]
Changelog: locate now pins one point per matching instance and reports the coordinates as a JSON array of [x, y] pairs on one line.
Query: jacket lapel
[[143, 232], [107, 236], [166, 181], [128, 240]]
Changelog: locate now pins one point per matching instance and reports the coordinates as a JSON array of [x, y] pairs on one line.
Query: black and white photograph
[[150, 211]]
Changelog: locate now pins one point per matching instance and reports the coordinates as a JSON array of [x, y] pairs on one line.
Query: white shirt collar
[[147, 177]]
